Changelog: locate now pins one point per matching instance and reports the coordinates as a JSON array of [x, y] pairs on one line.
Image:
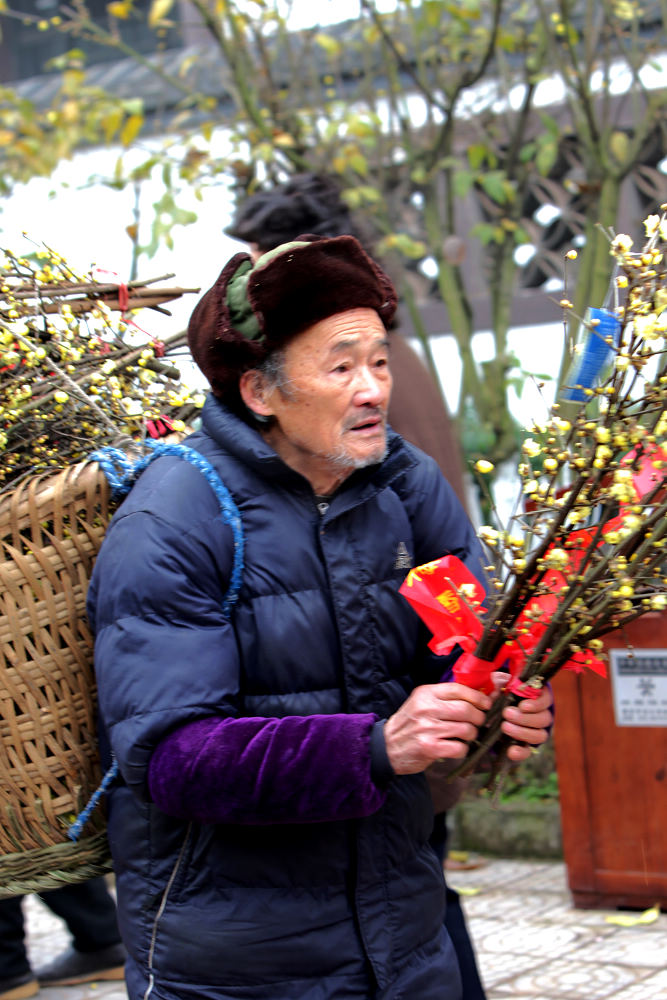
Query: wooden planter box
[[613, 777]]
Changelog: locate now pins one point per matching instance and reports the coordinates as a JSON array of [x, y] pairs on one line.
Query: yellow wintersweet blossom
[[651, 225], [647, 326], [621, 245], [531, 448], [557, 559], [625, 10], [86, 384], [489, 535], [484, 467], [603, 454], [593, 508]]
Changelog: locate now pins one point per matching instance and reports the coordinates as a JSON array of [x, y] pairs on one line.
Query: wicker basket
[[51, 529]]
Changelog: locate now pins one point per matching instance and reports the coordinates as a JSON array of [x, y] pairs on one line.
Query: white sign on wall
[[639, 682]]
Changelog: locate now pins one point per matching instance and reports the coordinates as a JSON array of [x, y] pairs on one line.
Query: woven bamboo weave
[[51, 528]]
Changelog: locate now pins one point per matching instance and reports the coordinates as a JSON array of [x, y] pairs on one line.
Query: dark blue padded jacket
[[343, 908]]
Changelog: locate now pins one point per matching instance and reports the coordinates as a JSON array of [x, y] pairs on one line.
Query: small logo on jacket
[[403, 560]]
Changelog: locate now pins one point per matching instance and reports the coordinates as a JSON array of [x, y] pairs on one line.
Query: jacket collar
[[247, 445]]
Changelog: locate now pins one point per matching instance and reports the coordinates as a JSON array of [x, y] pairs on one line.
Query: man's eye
[[342, 368]]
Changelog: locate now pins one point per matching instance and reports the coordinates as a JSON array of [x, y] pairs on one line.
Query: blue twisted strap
[[74, 831], [595, 354], [122, 473]]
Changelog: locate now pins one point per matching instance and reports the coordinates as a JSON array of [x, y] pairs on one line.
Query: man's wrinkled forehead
[[346, 332], [352, 342]]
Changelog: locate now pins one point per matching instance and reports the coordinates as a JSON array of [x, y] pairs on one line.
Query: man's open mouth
[[369, 422], [369, 425]]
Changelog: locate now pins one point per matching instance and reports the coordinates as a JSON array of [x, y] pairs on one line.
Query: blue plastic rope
[[74, 831], [122, 474], [595, 354]]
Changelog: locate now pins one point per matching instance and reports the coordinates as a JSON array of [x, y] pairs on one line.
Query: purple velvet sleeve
[[296, 769]]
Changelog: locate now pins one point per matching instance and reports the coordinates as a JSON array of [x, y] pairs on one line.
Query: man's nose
[[369, 388]]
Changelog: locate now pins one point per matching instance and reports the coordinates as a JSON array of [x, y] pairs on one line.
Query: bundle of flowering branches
[[76, 372], [584, 554]]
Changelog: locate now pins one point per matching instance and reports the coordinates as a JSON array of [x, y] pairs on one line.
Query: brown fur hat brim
[[287, 294]]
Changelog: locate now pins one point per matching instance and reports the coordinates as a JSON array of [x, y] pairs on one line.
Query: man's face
[[331, 412]]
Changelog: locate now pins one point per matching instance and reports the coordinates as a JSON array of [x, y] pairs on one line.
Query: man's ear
[[252, 388]]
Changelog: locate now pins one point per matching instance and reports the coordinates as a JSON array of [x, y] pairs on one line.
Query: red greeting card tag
[[446, 596], [650, 468]]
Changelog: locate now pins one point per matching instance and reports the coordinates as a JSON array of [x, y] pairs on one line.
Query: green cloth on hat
[[240, 310]]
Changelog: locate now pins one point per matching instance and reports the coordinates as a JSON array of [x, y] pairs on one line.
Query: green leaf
[[361, 127], [507, 40], [476, 155], [120, 9], [527, 152], [143, 171], [433, 10], [158, 11], [550, 124], [369, 194], [413, 249], [485, 232], [358, 162], [619, 145], [111, 123], [331, 46], [494, 184], [547, 154], [133, 106], [462, 182], [131, 129]]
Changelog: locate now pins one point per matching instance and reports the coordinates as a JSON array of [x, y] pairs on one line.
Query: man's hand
[[528, 722], [436, 721]]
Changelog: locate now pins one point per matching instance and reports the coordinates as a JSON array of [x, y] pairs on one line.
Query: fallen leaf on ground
[[626, 920]]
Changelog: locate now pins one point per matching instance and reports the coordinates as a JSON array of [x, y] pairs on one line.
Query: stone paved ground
[[531, 943]]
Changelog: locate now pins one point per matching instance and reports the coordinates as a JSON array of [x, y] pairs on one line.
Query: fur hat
[[252, 310]]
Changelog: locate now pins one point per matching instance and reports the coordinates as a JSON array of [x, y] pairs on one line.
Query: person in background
[[311, 203], [89, 912], [270, 826]]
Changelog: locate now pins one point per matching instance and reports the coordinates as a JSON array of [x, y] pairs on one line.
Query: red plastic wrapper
[[448, 599], [446, 596]]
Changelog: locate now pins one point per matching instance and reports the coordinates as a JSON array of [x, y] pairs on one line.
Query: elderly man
[[270, 835]]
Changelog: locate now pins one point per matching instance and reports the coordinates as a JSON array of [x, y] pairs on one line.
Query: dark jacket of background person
[[280, 889], [417, 412]]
